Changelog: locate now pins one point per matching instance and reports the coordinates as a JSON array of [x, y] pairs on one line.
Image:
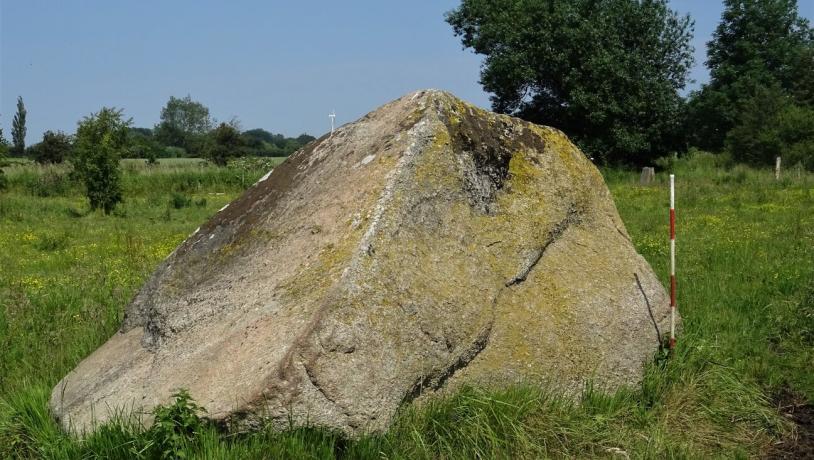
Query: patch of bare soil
[[801, 444]]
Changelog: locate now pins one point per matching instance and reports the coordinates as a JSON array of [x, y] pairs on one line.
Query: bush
[[100, 141], [179, 200], [55, 147], [695, 160], [224, 142], [175, 426], [52, 242]]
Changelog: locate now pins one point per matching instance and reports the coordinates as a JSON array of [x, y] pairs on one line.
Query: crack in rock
[[313, 379], [436, 381], [572, 218]]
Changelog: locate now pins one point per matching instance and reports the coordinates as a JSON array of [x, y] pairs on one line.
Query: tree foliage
[[4, 146], [771, 124], [101, 139], [304, 138], [759, 46], [260, 142], [55, 147], [184, 123], [18, 129], [607, 72], [224, 142], [143, 144], [3, 154]]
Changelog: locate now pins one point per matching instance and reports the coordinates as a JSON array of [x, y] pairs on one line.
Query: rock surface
[[429, 244]]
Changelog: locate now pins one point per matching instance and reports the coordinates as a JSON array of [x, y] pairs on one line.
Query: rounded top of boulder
[[427, 245]]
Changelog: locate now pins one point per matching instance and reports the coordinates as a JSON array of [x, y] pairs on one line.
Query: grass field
[[744, 360]]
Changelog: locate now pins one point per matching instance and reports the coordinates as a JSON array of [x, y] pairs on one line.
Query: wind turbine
[[332, 116]]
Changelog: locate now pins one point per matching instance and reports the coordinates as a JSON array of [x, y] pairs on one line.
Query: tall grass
[[186, 175], [745, 269]]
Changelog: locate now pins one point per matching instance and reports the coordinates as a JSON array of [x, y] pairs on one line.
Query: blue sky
[[277, 65]]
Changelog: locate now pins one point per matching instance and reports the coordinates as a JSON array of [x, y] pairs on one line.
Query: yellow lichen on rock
[[429, 245]]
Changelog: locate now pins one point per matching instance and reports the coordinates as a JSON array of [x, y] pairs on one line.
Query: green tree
[[4, 147], [142, 144], [258, 135], [260, 142], [225, 142], [3, 153], [184, 123], [101, 139], [55, 148], [607, 72], [771, 124], [758, 44], [305, 138], [18, 129], [797, 124]]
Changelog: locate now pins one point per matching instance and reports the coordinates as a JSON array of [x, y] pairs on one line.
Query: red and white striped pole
[[672, 262]]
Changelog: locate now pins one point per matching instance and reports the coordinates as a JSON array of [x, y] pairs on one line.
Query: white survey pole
[[332, 116], [672, 262]]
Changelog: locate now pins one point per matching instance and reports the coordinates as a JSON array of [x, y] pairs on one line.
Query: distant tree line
[[185, 130], [609, 73], [103, 138]]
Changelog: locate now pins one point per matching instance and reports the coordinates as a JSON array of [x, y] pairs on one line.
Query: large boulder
[[429, 244]]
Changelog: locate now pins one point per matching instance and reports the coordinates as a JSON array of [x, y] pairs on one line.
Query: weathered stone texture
[[429, 244]]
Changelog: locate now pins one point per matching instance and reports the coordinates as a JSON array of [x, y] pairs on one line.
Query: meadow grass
[[745, 269]]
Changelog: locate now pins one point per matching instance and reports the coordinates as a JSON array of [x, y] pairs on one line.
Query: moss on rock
[[429, 245]]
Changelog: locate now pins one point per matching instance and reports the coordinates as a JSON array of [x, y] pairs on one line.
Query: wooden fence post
[[777, 168]]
